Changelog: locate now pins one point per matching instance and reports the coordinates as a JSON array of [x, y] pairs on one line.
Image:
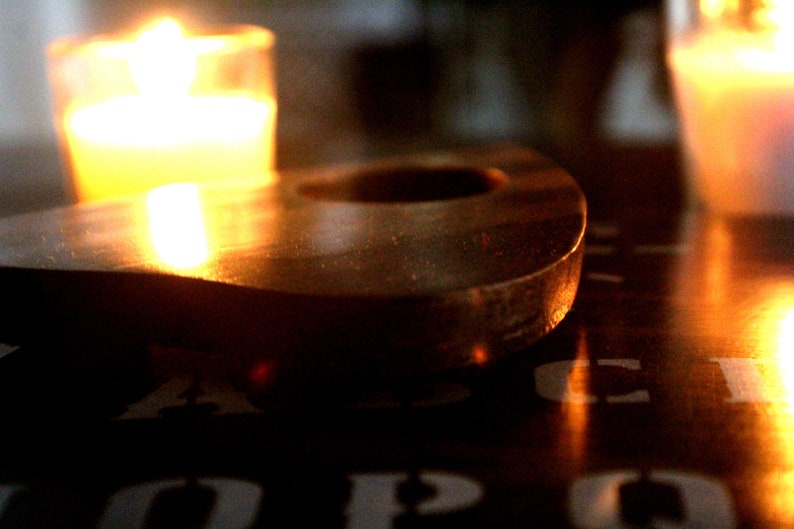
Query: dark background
[[583, 82]]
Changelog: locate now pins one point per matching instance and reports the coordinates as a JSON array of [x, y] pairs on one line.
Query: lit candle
[[735, 93], [177, 119]]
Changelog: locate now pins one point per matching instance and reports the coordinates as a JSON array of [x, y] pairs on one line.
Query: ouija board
[[663, 397]]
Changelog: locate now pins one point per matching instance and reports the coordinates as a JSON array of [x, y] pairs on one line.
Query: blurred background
[[583, 82]]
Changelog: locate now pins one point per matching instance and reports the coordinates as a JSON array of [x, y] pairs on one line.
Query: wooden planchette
[[402, 267]]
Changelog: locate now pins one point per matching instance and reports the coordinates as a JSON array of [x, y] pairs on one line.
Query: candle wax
[[138, 142]]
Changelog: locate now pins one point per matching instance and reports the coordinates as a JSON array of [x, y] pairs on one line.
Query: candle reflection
[[779, 326], [786, 337], [775, 327], [176, 225], [717, 262], [575, 411], [734, 306]]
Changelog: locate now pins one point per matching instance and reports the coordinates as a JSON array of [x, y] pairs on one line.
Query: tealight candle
[[733, 72], [164, 108]]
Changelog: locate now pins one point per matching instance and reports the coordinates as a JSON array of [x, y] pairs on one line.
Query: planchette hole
[[406, 184]]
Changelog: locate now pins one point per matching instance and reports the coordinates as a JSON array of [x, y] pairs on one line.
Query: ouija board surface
[[664, 398]]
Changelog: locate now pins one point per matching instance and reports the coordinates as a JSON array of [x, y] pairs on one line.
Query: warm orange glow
[[131, 144], [786, 334], [746, 321], [778, 17], [164, 132], [775, 329], [480, 355], [735, 94], [575, 411], [161, 62], [777, 326], [177, 226], [717, 262], [713, 9]]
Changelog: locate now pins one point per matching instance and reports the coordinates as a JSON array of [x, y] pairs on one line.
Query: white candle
[[735, 94], [170, 120]]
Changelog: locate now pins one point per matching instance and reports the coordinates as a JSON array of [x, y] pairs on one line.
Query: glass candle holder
[[161, 107], [732, 65]]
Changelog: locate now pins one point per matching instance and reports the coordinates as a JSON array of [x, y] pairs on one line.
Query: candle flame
[[163, 64], [759, 33], [765, 15], [715, 9], [161, 58], [774, 13], [780, 17]]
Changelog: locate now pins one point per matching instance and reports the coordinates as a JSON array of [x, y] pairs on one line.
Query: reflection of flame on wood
[[743, 316], [576, 410], [759, 310], [177, 225], [778, 326]]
